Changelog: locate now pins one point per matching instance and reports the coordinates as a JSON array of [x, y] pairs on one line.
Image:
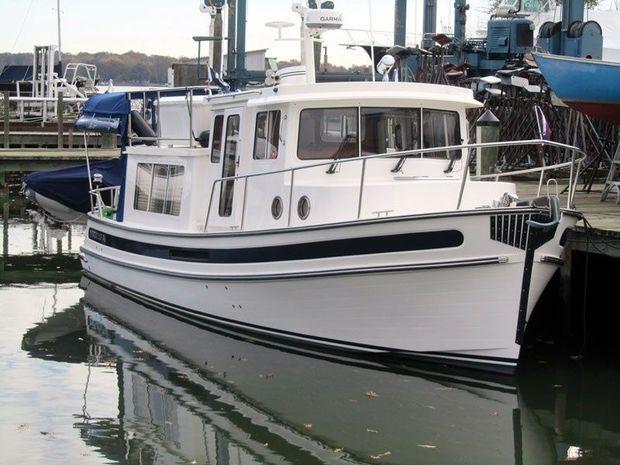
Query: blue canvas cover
[[105, 113], [70, 187], [14, 73]]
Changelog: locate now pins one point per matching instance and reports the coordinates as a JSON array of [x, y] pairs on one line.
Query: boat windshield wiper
[[454, 157], [399, 164], [333, 167]]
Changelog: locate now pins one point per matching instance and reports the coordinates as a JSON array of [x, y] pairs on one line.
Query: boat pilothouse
[[341, 215]]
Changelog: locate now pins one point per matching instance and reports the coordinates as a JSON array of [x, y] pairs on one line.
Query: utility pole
[[400, 22]]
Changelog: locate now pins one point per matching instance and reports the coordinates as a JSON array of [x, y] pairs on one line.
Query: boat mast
[[59, 36]]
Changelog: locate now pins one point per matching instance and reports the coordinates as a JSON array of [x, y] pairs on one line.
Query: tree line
[[125, 68]]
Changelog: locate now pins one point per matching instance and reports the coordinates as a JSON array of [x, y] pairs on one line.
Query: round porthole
[[276, 208], [303, 207]]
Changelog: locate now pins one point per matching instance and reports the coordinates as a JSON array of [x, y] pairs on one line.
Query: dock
[[603, 217], [27, 160]]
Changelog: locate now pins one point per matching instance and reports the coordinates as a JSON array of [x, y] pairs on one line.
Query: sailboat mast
[[59, 35]]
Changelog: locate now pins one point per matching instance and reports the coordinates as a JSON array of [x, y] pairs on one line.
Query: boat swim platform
[[27, 160]]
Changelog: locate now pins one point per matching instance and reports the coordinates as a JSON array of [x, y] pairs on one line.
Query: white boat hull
[[55, 210], [459, 303]]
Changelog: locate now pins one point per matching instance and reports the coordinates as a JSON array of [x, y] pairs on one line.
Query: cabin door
[[230, 163]]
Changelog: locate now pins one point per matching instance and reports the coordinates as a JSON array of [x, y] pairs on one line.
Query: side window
[[229, 166], [174, 190], [441, 128], [144, 179], [216, 148], [267, 135], [159, 188], [327, 133], [386, 130]]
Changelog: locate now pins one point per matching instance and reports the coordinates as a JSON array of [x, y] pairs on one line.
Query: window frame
[[418, 110], [434, 155], [357, 115], [216, 134], [165, 200], [223, 212], [268, 113], [360, 128]]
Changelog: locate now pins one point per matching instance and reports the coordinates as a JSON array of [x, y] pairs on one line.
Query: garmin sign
[[323, 19]]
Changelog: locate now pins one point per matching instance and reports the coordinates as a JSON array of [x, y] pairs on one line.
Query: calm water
[[92, 378]]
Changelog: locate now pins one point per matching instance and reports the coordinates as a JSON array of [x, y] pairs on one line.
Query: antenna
[[279, 25], [314, 21]]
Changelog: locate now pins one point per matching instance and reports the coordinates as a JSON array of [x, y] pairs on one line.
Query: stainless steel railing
[[409, 153], [99, 206], [189, 93]]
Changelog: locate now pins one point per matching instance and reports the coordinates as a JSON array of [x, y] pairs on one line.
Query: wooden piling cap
[[487, 119]]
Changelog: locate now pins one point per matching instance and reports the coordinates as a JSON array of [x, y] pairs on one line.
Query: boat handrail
[[189, 92], [407, 153], [98, 206]]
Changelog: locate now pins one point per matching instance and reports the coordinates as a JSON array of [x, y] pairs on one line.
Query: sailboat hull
[[589, 86]]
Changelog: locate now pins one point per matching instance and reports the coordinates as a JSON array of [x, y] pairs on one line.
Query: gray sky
[[166, 26]]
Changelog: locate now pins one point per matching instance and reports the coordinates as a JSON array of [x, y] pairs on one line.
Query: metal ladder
[[613, 177]]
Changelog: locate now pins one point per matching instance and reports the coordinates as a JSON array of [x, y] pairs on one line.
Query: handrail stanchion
[[359, 200], [245, 190], [570, 177], [290, 198], [540, 181], [210, 203], [464, 179], [571, 196], [129, 130], [158, 115], [191, 118]]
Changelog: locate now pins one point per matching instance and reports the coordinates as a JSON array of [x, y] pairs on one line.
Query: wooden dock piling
[[60, 109], [7, 129]]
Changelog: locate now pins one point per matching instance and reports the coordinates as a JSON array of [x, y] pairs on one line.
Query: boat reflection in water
[[191, 395]]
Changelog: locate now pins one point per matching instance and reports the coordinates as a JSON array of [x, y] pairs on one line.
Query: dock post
[[7, 129], [487, 130], [5, 215], [60, 116], [565, 291]]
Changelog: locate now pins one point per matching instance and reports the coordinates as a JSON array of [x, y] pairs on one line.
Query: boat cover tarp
[[70, 187], [105, 113], [14, 73]]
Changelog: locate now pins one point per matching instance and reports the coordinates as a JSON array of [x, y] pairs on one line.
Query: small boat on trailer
[[338, 215]]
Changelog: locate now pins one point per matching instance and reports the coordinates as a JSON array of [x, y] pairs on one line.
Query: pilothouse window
[[159, 188], [267, 135], [216, 148], [387, 130], [327, 133], [331, 133], [441, 128]]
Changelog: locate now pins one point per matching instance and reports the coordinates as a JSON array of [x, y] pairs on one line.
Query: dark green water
[[91, 378]]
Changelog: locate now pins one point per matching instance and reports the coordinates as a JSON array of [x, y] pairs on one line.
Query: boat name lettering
[[97, 236]]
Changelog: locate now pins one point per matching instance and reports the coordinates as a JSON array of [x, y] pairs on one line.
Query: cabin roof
[[356, 92]]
